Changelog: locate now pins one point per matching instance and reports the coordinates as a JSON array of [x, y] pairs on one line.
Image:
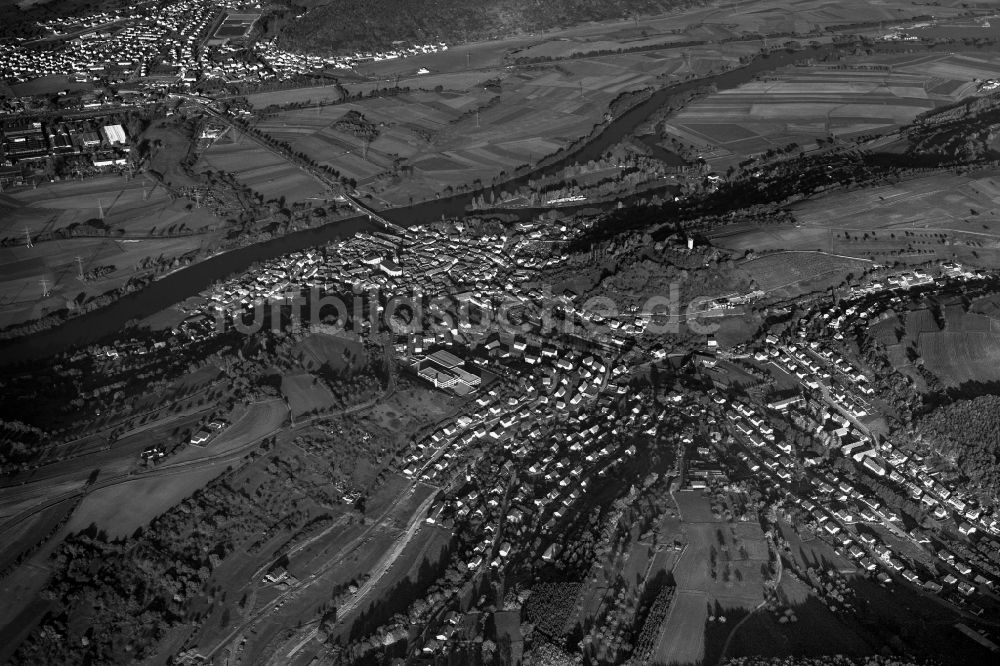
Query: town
[[523, 334]]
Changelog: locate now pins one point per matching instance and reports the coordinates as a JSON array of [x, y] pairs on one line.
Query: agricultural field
[[430, 139], [132, 205], [261, 170], [422, 142], [715, 22], [849, 99], [955, 204], [938, 217], [793, 273], [145, 231], [963, 347], [960, 357]]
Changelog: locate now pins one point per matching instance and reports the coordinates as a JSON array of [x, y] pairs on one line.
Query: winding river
[[175, 287]]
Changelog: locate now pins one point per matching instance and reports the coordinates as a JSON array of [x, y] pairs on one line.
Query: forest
[[349, 26], [969, 432]]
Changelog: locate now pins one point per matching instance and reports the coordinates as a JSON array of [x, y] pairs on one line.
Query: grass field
[[119, 510], [341, 354], [50, 85], [817, 632], [313, 94], [123, 507], [737, 583], [800, 104], [306, 394], [25, 535], [410, 409], [814, 552], [249, 424], [682, 640]]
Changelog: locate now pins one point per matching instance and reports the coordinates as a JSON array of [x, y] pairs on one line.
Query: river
[[175, 287]]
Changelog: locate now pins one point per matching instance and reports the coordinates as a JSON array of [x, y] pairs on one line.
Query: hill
[[348, 25]]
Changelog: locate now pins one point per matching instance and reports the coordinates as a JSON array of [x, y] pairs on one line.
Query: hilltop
[[325, 25]]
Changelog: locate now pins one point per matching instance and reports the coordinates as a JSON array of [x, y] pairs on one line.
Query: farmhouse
[[200, 437]]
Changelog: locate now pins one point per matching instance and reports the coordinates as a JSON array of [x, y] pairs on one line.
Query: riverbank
[[93, 326]]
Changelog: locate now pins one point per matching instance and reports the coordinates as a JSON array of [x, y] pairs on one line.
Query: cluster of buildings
[[282, 64], [574, 422], [829, 408], [444, 370], [177, 43], [137, 41], [459, 290], [917, 277], [471, 272], [93, 145], [554, 454]]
